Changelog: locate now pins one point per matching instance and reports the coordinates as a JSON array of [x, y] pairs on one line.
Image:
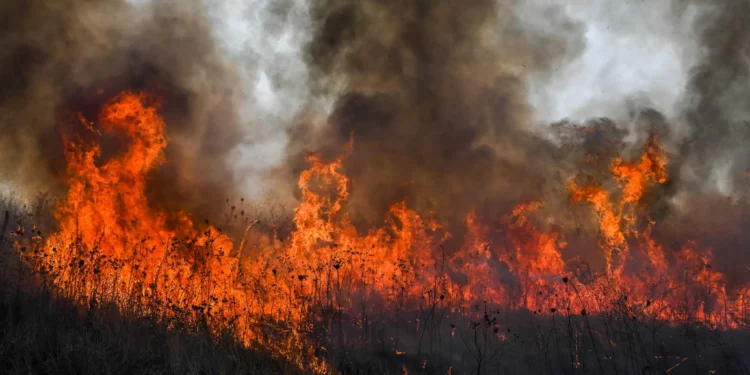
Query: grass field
[[43, 332]]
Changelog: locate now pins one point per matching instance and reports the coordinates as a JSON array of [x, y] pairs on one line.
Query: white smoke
[[634, 51]]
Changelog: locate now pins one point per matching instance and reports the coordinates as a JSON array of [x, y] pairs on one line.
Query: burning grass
[[329, 297]]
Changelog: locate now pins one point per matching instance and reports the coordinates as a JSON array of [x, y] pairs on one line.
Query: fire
[[614, 219], [106, 213], [112, 247]]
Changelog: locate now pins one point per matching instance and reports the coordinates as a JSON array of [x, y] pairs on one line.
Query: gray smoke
[[449, 102], [717, 108], [434, 95], [72, 55]]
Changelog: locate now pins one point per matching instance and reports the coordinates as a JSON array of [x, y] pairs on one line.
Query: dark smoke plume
[[433, 93], [713, 182], [72, 55], [718, 101]]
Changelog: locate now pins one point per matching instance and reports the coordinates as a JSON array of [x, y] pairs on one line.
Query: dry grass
[[42, 332], [41, 335]]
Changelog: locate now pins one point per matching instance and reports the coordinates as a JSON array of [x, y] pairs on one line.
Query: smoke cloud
[[450, 103], [717, 107], [72, 55], [434, 95]]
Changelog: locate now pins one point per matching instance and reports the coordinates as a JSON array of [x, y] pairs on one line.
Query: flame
[[614, 220], [112, 247]]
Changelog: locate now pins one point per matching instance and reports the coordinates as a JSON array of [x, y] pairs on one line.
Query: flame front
[[112, 247]]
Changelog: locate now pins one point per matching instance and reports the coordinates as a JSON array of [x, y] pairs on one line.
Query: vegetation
[[112, 285], [43, 332]]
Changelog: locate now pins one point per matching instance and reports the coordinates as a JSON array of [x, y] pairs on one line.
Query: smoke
[[454, 106], [712, 156], [717, 108], [72, 55], [686, 61], [264, 40], [434, 95], [449, 103], [637, 54]]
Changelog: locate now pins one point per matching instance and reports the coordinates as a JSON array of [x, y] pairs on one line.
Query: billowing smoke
[[446, 105], [717, 107], [713, 156], [434, 94], [64, 56], [449, 103]]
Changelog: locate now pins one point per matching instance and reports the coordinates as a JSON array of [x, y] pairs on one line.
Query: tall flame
[[634, 179], [112, 247]]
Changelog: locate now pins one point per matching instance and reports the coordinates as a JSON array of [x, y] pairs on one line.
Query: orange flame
[[634, 179], [112, 247]]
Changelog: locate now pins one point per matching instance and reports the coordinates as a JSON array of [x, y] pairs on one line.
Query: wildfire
[[614, 219], [112, 247]]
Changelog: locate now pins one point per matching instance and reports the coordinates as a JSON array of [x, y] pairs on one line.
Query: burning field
[[377, 187]]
